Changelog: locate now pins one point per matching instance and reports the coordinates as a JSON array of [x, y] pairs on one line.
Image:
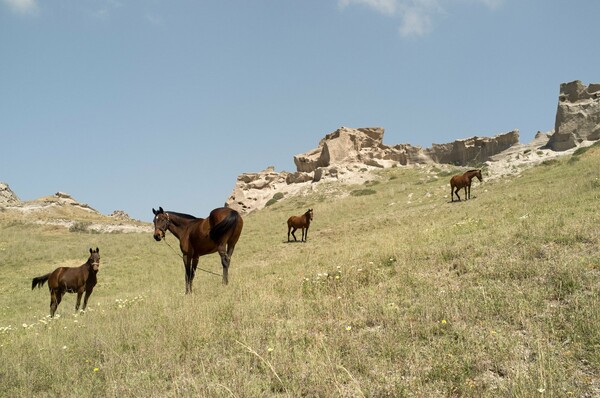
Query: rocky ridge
[[346, 155], [51, 210]]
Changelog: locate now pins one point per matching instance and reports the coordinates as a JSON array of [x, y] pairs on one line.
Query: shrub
[[80, 226]]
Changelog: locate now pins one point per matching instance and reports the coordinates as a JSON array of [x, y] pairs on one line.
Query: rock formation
[[577, 115], [7, 196], [345, 154], [472, 150]]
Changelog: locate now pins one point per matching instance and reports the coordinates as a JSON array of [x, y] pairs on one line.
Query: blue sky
[[137, 104]]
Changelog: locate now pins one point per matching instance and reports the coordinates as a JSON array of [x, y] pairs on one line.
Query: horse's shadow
[[461, 201]]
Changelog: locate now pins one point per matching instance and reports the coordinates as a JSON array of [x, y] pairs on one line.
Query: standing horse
[[199, 236], [303, 221], [463, 181], [71, 280]]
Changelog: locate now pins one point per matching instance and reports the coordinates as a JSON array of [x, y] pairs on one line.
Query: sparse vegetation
[[363, 192], [278, 196], [497, 296]]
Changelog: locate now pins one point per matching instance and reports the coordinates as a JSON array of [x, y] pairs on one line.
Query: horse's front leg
[[88, 293], [188, 272], [305, 234], [469, 186], [79, 294], [225, 260], [193, 271]]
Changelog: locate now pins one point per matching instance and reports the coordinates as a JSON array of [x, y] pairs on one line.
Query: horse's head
[[309, 214], [94, 260], [161, 223], [478, 174]]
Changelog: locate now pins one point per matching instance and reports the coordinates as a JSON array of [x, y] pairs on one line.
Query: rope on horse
[[198, 268]]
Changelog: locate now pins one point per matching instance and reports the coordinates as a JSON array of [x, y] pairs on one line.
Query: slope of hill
[[397, 293]]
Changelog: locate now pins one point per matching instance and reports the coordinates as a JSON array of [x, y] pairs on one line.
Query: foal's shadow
[[461, 201]]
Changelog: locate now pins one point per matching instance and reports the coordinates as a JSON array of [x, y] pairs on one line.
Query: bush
[[80, 226]]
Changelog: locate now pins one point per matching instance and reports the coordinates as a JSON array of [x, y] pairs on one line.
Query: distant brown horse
[[303, 222], [463, 181], [199, 236], [71, 280]]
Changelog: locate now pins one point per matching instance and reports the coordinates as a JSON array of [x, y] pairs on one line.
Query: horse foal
[[70, 280]]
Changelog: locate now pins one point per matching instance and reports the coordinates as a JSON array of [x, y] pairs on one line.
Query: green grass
[[397, 294]]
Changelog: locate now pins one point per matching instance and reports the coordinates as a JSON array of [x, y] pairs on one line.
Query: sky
[[135, 104]]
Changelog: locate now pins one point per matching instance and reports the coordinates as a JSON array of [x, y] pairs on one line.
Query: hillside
[[397, 293]]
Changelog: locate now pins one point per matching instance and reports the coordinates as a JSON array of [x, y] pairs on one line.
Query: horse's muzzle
[[157, 237]]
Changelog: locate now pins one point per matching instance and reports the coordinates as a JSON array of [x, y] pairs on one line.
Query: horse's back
[[68, 278]]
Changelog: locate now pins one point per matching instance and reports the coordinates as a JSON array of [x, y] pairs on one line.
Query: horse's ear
[[160, 209], [154, 211], [91, 251], [97, 250]]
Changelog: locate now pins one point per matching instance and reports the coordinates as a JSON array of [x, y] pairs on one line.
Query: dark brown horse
[[303, 222], [463, 181], [199, 236], [71, 280]]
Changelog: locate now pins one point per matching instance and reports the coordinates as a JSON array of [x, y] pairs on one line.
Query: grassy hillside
[[397, 293]]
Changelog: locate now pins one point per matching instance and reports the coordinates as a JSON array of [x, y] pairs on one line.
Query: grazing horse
[[199, 236], [463, 181], [71, 280], [303, 221]]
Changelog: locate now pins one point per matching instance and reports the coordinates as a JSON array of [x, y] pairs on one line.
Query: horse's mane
[[469, 171], [182, 215]]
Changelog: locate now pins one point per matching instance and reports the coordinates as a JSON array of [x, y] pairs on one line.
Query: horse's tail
[[39, 281], [226, 225]]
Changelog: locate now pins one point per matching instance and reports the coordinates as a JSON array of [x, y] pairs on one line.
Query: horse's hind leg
[[289, 229], [55, 298], [456, 192], [225, 261], [294, 235]]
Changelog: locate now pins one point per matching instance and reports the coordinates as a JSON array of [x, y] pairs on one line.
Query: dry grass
[[398, 293]]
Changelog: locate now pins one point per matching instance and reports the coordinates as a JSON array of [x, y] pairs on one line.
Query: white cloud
[[387, 7], [416, 16], [415, 23], [22, 6]]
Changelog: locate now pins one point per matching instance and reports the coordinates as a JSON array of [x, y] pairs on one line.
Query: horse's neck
[[307, 219], [178, 224], [87, 268]]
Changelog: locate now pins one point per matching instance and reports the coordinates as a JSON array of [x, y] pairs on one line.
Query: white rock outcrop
[[577, 115], [7, 196]]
